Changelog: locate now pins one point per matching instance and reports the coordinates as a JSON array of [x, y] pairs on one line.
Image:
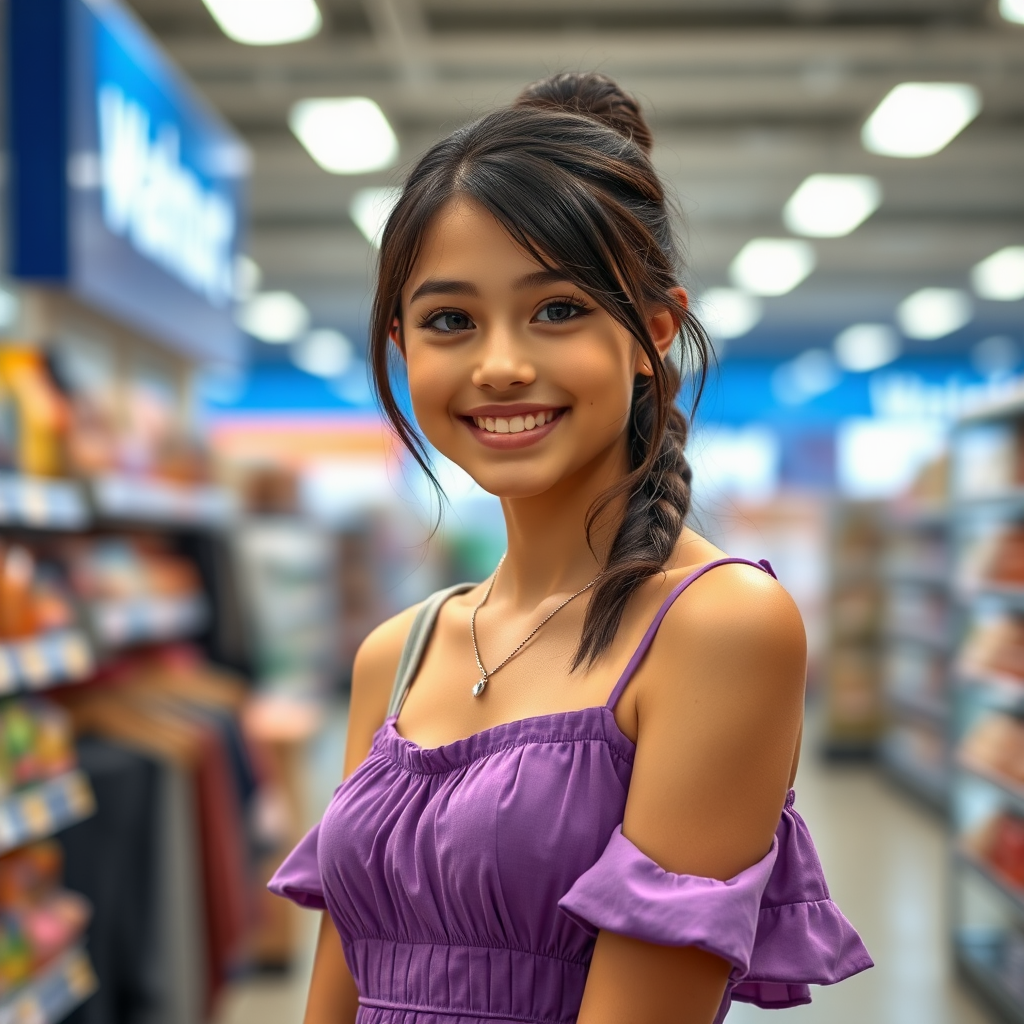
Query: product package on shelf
[[988, 710], [919, 636], [852, 665]]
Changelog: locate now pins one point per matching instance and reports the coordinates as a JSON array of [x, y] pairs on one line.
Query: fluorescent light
[[266, 22], [920, 118], [1012, 10], [728, 312], [812, 373], [863, 347], [831, 205], [248, 278], [274, 317], [370, 209], [323, 353], [1001, 275], [345, 136], [934, 312], [772, 266]]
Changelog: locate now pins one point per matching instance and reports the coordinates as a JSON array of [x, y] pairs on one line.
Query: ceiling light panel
[[772, 266], [729, 312], [266, 22], [274, 317], [864, 347], [934, 312], [920, 118], [370, 209], [1000, 276], [347, 135], [831, 205], [1012, 10], [323, 353]]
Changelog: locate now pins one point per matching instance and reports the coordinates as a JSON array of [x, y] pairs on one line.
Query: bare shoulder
[[737, 608]]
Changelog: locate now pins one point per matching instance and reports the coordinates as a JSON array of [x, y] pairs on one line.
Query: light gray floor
[[885, 861]]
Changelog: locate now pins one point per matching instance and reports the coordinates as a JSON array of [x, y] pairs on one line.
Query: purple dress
[[468, 882]]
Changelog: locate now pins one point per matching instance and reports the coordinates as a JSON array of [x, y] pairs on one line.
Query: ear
[[664, 327], [395, 334]]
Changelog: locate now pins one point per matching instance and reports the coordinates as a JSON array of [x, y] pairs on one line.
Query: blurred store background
[[201, 515]]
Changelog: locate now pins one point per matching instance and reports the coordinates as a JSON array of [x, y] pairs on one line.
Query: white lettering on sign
[[160, 205]]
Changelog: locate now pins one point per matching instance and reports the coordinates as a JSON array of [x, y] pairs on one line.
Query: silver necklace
[[481, 684]]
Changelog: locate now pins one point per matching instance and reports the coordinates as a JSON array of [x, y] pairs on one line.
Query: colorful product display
[[38, 920], [36, 743], [995, 647], [996, 746]]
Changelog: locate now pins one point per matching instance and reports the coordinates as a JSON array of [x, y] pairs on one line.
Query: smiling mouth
[[515, 424]]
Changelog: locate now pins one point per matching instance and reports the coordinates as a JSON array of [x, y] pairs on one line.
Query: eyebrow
[[440, 286]]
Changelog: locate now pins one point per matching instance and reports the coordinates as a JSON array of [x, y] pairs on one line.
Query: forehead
[[465, 242]]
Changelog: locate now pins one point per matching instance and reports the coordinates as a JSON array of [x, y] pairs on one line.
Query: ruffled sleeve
[[774, 922], [298, 877]]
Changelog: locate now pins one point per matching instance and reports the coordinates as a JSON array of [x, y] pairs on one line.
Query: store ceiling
[[747, 97]]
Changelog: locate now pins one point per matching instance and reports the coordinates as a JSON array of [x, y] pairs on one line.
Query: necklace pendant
[[478, 687]]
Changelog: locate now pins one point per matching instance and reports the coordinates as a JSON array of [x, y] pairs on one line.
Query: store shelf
[[922, 781], [919, 515], [1010, 597], [44, 809], [60, 987], [1003, 503], [123, 623], [43, 662], [42, 504], [1008, 691], [918, 706], [1009, 787], [126, 499], [907, 633], [920, 574], [975, 960], [1014, 893]]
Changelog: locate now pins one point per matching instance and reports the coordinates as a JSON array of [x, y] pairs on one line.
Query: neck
[[548, 551]]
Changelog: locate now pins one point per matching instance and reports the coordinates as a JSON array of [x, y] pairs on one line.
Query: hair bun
[[594, 95]]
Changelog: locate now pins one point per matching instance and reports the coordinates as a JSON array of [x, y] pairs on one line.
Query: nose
[[503, 362]]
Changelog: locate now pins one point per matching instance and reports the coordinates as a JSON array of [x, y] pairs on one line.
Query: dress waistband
[[483, 982]]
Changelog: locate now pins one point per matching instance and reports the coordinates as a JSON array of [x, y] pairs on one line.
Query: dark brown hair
[[566, 171]]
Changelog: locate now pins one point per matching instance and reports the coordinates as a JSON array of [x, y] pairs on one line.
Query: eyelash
[[581, 307]]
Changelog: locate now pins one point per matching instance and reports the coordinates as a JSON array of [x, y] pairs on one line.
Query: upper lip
[[512, 409]]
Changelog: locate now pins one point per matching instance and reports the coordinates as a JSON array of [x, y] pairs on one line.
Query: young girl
[[567, 792]]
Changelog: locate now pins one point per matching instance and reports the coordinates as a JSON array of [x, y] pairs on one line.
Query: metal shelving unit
[[917, 649], [987, 799]]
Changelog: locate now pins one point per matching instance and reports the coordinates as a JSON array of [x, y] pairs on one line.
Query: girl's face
[[516, 375]]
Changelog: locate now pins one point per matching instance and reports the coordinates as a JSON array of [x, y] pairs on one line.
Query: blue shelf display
[[58, 989], [60, 658], [44, 809], [38, 503]]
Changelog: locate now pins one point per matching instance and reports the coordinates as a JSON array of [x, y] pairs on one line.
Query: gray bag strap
[[416, 643]]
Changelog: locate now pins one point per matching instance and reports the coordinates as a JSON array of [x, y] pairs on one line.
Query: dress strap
[[652, 629], [416, 643]]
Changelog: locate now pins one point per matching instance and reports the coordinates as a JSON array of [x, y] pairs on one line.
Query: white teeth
[[514, 425]]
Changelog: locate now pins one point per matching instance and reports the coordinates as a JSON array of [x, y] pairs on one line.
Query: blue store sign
[[125, 187]]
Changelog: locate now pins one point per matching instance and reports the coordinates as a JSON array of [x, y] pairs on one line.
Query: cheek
[[432, 382]]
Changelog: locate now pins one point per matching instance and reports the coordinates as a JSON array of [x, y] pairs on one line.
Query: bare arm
[[333, 998], [720, 705]]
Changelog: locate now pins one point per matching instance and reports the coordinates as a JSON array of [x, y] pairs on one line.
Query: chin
[[513, 481]]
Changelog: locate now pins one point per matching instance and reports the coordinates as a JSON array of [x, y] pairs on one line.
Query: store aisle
[[885, 861]]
